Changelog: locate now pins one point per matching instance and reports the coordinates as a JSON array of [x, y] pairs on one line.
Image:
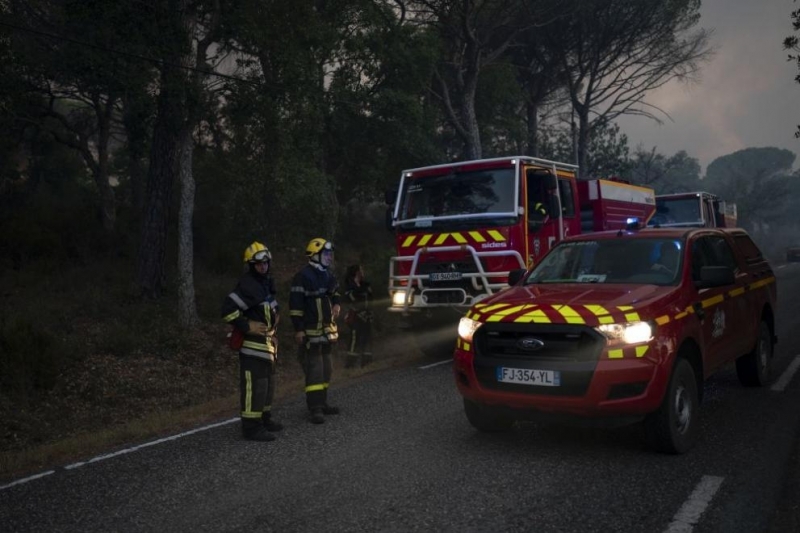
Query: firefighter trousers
[[359, 349], [256, 391], [316, 361]]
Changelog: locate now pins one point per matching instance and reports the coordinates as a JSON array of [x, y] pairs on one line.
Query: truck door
[[541, 229], [720, 315], [709, 216]]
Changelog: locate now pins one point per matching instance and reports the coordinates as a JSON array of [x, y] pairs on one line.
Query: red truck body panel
[[556, 328], [462, 227]]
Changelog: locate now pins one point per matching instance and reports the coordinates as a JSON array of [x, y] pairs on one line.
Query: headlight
[[630, 333], [399, 299], [467, 327]]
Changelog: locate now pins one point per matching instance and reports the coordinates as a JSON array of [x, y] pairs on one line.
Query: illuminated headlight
[[399, 299], [630, 333], [467, 327]]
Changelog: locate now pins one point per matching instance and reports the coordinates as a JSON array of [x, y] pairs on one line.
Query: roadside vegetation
[[144, 145]]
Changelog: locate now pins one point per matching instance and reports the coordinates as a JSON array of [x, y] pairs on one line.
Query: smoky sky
[[745, 95]]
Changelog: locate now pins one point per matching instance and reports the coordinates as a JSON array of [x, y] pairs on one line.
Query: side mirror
[[515, 275], [390, 196], [716, 276]]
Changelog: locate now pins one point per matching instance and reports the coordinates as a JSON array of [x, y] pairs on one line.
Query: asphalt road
[[402, 457]]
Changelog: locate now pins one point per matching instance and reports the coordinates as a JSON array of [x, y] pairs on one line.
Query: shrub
[[30, 359]]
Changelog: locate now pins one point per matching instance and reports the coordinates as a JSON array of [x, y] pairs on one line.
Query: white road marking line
[[426, 367], [148, 444], [693, 508], [781, 266], [122, 452], [787, 375], [26, 479]]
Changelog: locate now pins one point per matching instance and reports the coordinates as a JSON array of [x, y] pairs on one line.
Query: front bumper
[[592, 384]]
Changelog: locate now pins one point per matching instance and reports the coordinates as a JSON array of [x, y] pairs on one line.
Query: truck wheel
[[753, 369], [483, 419], [673, 427]]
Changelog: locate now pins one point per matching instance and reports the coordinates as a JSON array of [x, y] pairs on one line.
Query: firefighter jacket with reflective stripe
[[358, 295], [314, 293], [253, 299]]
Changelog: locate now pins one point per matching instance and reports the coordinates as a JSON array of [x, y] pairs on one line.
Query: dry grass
[[88, 366], [159, 420]]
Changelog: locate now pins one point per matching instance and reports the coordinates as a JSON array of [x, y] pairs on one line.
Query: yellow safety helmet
[[257, 253], [315, 246], [314, 252]]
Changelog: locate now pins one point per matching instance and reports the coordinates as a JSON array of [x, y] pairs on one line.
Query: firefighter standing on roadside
[[252, 309], [358, 293], [314, 307]]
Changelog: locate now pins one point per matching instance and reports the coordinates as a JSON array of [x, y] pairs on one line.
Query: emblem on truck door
[[719, 323], [530, 344]]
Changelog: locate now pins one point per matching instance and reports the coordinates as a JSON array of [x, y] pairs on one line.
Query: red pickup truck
[[620, 326]]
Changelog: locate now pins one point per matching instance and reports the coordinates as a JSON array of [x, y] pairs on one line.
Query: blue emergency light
[[632, 223]]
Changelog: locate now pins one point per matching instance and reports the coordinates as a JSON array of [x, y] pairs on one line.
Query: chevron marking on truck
[[500, 315], [537, 316], [547, 314], [630, 317], [627, 353], [569, 314], [460, 238], [603, 316]]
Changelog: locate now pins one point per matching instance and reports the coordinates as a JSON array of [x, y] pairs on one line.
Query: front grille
[[571, 350], [454, 297], [560, 342]]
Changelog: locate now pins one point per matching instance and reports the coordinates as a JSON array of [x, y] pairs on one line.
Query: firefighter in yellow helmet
[[313, 308], [252, 309]]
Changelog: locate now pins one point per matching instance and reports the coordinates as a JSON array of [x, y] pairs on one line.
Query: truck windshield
[[457, 196], [677, 212], [628, 261]]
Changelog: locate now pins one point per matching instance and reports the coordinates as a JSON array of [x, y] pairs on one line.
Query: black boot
[[351, 360], [330, 410], [270, 424], [315, 416], [262, 435], [366, 358]]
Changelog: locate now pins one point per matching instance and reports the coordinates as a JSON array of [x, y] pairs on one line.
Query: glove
[[257, 328]]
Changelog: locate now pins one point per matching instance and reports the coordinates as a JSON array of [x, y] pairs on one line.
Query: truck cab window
[[567, 198]]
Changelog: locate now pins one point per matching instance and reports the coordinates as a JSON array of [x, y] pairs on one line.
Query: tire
[[754, 369], [483, 419], [673, 427]]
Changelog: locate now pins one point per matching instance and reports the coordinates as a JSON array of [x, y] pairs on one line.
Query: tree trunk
[[135, 120], [165, 154], [187, 305], [160, 177], [107, 197], [472, 134], [532, 128], [583, 143]]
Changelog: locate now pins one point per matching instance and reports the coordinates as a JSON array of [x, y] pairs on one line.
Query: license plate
[[445, 276], [526, 376]]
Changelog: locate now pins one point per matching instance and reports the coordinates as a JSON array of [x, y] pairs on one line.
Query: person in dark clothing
[[252, 309], [313, 308], [358, 293]]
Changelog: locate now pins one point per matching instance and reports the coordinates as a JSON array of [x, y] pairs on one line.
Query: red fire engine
[[461, 227], [693, 209]]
